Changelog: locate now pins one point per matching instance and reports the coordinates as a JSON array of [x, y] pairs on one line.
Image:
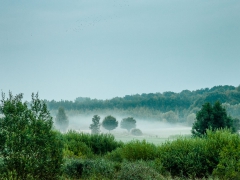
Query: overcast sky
[[107, 48]]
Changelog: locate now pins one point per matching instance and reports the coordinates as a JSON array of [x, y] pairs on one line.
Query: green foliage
[[61, 120], [184, 157], [128, 123], [211, 117], [200, 157], [85, 169], [99, 144], [170, 117], [77, 149], [137, 171], [136, 132], [95, 126], [139, 150], [115, 155], [109, 123], [28, 146]]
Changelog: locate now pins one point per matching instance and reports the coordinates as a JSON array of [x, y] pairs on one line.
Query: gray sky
[[107, 48]]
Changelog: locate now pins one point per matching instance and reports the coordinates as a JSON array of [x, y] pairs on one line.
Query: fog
[[152, 130]]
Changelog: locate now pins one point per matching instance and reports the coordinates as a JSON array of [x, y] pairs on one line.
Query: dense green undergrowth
[[213, 156], [216, 155]]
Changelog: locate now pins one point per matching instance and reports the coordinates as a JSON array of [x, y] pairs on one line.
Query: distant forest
[[167, 106]]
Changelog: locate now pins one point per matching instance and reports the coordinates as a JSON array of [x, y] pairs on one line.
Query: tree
[[128, 123], [170, 116], [61, 120], [211, 117], [109, 123], [95, 126], [28, 146]]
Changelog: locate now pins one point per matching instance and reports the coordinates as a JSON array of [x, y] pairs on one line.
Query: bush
[[77, 149], [99, 144], [184, 157], [115, 155], [89, 168], [199, 157], [139, 150], [136, 132], [137, 171]]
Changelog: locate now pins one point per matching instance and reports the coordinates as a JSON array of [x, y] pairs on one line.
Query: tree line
[[185, 101]]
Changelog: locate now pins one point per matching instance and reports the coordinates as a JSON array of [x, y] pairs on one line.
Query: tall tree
[[61, 120], [28, 146], [213, 117], [109, 123], [128, 123], [95, 126]]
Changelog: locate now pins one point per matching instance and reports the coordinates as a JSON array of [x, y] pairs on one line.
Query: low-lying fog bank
[[152, 130]]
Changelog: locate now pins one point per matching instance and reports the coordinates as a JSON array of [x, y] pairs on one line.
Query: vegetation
[[128, 123], [136, 132], [212, 117], [61, 120], [28, 147], [109, 123], [95, 126]]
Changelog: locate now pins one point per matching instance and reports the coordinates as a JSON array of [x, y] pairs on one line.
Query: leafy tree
[[109, 123], [28, 146], [212, 117], [61, 120], [170, 116], [95, 126], [128, 123]]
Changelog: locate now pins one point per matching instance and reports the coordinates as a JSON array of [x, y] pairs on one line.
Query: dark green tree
[[28, 146], [211, 117], [109, 123], [95, 126], [61, 120], [128, 123]]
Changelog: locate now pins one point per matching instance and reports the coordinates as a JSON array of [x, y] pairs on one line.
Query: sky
[[112, 48]]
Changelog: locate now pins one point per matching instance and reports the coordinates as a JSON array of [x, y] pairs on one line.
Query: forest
[[168, 106]]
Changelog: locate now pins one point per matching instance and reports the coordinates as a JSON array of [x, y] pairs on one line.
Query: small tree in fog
[[61, 120], [109, 123], [95, 126], [128, 123]]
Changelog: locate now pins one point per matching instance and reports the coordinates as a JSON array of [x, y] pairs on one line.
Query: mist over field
[[153, 131]]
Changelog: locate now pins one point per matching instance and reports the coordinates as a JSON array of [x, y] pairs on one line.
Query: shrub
[[137, 150], [136, 132], [89, 168], [184, 157], [199, 157], [137, 171], [77, 149], [115, 155], [99, 144]]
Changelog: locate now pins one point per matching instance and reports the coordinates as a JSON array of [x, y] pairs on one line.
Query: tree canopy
[[109, 123], [128, 123], [95, 126], [28, 146], [212, 117], [61, 120]]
